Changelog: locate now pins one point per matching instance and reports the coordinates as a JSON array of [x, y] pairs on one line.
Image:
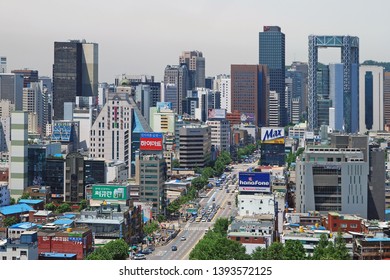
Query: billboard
[[108, 192], [254, 182], [151, 141], [217, 114], [272, 135], [164, 105], [248, 118]]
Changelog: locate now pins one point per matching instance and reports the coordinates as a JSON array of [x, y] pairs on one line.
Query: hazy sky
[[142, 37]]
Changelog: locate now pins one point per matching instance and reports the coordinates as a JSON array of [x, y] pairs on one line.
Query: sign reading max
[[272, 135]]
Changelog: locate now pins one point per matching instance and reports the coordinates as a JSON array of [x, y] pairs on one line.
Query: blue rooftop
[[387, 211], [63, 222], [25, 225], [69, 216], [15, 209], [378, 239], [58, 255], [31, 201]]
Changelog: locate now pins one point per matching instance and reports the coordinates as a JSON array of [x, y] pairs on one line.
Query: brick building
[[52, 239]]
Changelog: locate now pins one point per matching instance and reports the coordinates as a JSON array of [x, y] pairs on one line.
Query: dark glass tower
[[67, 80], [272, 53]]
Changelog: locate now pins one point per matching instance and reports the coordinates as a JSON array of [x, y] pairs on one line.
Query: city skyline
[[133, 34]]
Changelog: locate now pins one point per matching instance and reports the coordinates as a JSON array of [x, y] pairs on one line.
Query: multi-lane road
[[194, 231]]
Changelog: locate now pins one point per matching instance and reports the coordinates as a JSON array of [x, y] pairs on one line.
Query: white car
[[183, 238]]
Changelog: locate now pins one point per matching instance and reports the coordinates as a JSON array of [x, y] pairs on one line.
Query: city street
[[194, 231]]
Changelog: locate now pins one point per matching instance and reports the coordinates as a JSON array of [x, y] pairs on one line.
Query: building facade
[[272, 52], [249, 91]]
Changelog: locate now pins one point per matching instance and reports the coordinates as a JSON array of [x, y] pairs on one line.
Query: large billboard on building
[[164, 105], [107, 192], [151, 141], [217, 114], [254, 182], [247, 118], [272, 135]]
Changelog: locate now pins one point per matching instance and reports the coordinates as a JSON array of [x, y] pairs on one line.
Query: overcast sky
[[142, 37]]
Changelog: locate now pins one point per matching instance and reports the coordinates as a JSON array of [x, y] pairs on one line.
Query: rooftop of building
[[24, 225], [31, 201], [15, 209], [58, 255], [345, 216]]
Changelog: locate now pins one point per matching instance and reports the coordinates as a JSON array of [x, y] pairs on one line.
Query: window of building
[[23, 253], [14, 249], [343, 225], [13, 258], [4, 258]]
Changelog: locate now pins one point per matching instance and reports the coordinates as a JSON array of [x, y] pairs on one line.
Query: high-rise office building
[[75, 73], [3, 64], [350, 59], [222, 85], [386, 98], [115, 134], [336, 93], [332, 179], [195, 146], [196, 65], [177, 75], [11, 88], [272, 53], [33, 104], [250, 91], [29, 76], [18, 159], [371, 106]]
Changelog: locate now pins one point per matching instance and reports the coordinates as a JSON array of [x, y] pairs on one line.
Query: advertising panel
[[272, 135], [248, 118], [254, 182], [151, 141], [217, 114], [107, 192], [164, 105]]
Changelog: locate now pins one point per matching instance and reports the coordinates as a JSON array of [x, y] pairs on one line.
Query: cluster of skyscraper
[[199, 116]]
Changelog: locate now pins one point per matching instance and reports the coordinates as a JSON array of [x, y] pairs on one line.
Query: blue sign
[[254, 182], [151, 135]]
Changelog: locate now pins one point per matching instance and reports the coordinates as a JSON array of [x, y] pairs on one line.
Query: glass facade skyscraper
[[272, 53], [75, 73]]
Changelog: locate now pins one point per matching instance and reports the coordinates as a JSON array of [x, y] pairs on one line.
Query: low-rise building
[[24, 248], [53, 239], [252, 231], [342, 222]]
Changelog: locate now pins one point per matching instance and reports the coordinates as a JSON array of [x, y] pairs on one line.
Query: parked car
[[139, 257]]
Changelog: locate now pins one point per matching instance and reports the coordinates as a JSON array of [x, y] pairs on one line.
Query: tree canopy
[[215, 245], [113, 250]]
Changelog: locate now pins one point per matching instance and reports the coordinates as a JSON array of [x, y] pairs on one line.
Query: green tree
[[24, 196], [324, 249], [221, 225], [118, 249], [275, 251], [259, 254], [13, 201], [9, 221], [175, 163], [64, 207], [216, 247], [340, 248], [151, 227], [207, 172], [51, 207], [219, 168], [293, 250], [100, 253], [83, 204]]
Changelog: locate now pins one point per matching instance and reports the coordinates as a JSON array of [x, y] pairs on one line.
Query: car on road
[[146, 251], [174, 248], [183, 238], [139, 257]]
